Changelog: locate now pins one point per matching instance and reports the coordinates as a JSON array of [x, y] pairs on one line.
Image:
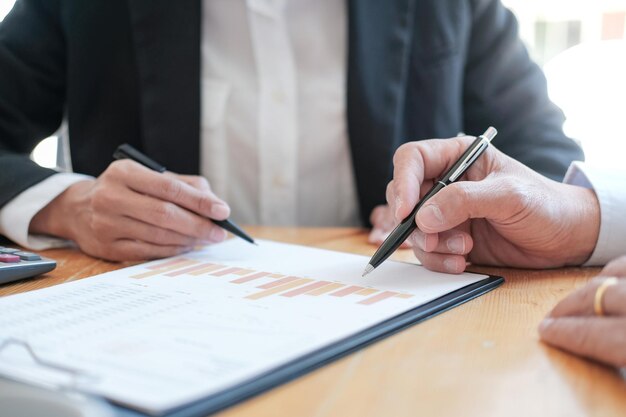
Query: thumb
[[493, 198]]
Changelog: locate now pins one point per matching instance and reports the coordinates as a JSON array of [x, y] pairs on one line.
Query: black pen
[[407, 226], [126, 151]]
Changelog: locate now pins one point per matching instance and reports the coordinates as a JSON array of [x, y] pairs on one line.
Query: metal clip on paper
[[27, 397], [73, 374]]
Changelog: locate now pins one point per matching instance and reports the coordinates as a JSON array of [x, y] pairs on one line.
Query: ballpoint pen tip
[[369, 268]]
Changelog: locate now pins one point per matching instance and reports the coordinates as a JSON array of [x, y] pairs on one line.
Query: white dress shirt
[[609, 184], [274, 141]]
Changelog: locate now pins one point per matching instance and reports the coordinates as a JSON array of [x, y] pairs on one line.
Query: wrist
[[55, 218], [585, 221]]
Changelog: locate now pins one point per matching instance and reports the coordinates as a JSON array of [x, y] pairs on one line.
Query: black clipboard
[[314, 360]]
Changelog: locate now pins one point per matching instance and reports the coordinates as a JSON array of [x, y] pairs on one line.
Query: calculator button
[[8, 250], [27, 256], [8, 258]]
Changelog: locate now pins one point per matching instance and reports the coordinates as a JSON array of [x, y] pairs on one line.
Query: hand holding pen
[[126, 151], [131, 212], [499, 212]]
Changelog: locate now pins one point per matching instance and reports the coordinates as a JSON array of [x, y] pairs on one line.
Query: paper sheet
[[158, 335]]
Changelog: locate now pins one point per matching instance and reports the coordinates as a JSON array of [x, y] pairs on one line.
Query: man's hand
[[132, 213], [500, 213], [383, 222], [572, 325]]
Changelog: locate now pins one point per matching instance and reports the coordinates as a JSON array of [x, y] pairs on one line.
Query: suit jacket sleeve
[[32, 90], [504, 88]]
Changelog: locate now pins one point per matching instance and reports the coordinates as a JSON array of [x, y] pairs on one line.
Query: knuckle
[[201, 182], [164, 212], [520, 194], [403, 150], [118, 168], [204, 204], [462, 194], [172, 189]]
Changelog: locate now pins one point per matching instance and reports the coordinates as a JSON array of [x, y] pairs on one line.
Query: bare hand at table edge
[[383, 222], [573, 326], [501, 213], [132, 213]]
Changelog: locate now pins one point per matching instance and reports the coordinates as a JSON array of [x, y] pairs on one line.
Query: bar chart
[[269, 284]]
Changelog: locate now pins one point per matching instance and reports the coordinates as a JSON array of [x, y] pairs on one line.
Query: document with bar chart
[[218, 324]]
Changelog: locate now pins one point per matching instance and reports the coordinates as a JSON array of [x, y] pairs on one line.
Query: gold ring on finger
[[598, 299]]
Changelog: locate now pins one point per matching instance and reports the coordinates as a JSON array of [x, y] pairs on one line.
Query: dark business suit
[[129, 71]]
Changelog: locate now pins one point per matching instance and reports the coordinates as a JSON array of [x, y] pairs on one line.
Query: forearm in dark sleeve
[[504, 88], [32, 90]]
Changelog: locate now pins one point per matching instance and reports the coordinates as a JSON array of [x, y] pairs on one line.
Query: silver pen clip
[[486, 138]]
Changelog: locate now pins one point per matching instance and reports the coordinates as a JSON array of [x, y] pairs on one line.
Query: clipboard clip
[[75, 375]]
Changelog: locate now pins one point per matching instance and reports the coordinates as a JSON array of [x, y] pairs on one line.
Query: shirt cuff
[[608, 184], [16, 215]]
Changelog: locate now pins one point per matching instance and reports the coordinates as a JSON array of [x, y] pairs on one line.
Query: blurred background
[[580, 44]]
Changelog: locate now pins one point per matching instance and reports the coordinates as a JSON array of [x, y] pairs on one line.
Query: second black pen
[[126, 151]]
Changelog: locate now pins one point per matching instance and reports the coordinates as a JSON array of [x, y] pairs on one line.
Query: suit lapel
[[166, 36], [380, 35]]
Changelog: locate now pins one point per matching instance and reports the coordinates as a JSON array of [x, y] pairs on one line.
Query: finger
[[599, 338], [381, 217], [450, 242], [166, 215], [615, 268], [383, 223], [494, 198], [390, 197], [451, 264], [133, 250], [416, 162], [195, 181], [138, 230], [169, 188], [581, 301]]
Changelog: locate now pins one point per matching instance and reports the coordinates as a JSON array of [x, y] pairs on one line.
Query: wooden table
[[480, 359]]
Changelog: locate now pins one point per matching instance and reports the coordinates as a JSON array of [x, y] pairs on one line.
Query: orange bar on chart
[[367, 291], [305, 289], [324, 290], [281, 288], [404, 295], [379, 297], [277, 283], [225, 272], [243, 272], [187, 270], [177, 265], [346, 291], [207, 269], [167, 263], [250, 277]]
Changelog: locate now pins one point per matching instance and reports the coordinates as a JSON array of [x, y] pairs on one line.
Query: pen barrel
[[464, 162], [402, 231]]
